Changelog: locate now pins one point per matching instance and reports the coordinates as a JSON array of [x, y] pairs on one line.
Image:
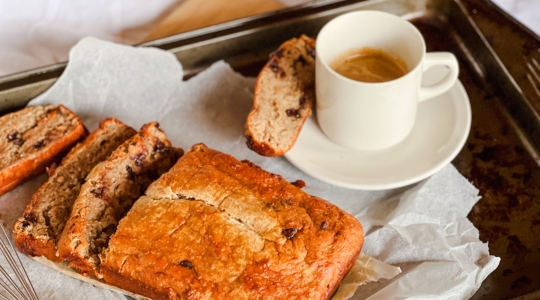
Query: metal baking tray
[[497, 58]]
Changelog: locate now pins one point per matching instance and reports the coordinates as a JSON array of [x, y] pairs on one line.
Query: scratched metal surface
[[498, 163], [499, 157]]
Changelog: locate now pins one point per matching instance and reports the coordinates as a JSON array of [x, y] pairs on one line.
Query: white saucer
[[440, 131]]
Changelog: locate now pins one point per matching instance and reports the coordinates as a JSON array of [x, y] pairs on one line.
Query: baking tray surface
[[499, 157]]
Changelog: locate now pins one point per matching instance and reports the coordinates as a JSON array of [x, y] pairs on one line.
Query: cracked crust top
[[217, 227]]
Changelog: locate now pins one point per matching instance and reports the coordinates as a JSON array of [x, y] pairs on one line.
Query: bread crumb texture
[[214, 227], [32, 138], [283, 98], [109, 192], [37, 232]]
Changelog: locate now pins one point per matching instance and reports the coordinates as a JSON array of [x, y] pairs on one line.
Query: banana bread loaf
[[217, 228], [36, 233], [284, 95], [32, 138], [109, 192]]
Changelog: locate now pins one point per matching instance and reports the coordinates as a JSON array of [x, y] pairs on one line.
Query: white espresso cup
[[374, 116]]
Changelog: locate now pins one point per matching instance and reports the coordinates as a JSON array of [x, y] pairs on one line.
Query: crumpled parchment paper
[[423, 229]]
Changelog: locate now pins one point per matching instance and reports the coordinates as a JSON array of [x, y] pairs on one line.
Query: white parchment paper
[[423, 228]]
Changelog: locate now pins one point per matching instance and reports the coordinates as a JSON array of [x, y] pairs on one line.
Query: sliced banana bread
[[32, 138], [109, 192], [284, 95], [217, 228], [36, 233]]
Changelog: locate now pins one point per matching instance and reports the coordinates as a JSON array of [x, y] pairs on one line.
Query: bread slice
[[32, 138], [36, 233], [215, 227], [284, 95], [109, 192]]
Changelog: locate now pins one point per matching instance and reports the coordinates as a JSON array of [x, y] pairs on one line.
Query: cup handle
[[439, 58]]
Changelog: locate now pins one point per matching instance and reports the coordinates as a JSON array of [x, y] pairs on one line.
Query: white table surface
[[35, 33]]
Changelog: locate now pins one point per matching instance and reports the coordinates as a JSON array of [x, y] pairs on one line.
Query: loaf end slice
[[283, 98], [36, 233], [33, 138], [109, 192], [215, 227]]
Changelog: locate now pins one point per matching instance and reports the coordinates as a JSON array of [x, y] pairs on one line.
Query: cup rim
[[406, 23]]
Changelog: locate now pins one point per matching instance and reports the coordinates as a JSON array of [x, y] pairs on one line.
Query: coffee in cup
[[369, 65], [374, 115]]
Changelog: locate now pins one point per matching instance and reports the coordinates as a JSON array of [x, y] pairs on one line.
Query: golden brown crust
[[217, 227], [261, 148], [140, 288], [298, 79], [36, 162], [36, 247], [36, 233], [108, 193]]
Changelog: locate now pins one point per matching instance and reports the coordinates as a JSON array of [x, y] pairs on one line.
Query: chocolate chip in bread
[[109, 192], [284, 96], [215, 227], [33, 138], [37, 232]]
